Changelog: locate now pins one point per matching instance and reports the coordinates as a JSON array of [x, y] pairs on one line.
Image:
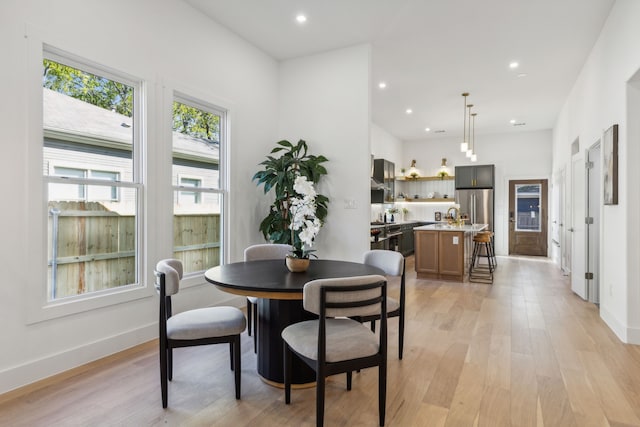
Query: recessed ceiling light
[[427, 129], [513, 65], [408, 111], [301, 19], [522, 75], [512, 121], [382, 85]]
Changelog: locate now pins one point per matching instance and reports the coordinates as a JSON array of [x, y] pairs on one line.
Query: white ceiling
[[430, 51]]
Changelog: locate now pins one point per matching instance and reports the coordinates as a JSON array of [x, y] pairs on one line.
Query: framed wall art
[[610, 165]]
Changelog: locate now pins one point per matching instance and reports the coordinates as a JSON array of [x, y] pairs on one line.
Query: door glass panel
[[528, 207]]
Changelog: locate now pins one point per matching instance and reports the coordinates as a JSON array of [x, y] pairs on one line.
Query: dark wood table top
[[271, 278]]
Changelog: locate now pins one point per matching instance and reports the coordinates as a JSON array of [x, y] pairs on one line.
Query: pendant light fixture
[[469, 149], [464, 145], [474, 158]]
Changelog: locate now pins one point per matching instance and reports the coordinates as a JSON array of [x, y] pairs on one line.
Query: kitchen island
[[443, 251]]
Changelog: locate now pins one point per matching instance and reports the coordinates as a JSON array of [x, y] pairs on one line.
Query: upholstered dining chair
[[392, 263], [334, 343], [256, 253], [202, 326]]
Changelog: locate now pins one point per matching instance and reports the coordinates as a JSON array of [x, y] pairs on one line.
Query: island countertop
[[447, 227]]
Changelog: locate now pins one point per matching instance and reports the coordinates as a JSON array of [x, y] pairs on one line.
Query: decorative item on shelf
[[296, 215], [443, 169], [413, 171], [438, 216], [464, 145], [402, 171], [392, 212], [405, 213]]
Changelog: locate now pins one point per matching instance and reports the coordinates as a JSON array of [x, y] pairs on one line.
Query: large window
[[91, 153], [198, 131]]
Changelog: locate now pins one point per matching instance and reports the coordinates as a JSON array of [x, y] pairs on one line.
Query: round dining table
[[280, 304]]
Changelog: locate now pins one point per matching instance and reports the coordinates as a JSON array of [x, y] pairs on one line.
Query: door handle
[[571, 229]]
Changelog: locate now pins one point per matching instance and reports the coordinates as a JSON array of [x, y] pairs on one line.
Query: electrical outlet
[[455, 240]]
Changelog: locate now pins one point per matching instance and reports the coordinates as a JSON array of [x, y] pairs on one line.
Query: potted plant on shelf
[[392, 212], [298, 211]]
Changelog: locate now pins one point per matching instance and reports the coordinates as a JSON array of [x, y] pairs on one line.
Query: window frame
[[39, 307], [208, 104]]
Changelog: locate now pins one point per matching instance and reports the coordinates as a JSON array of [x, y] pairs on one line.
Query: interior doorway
[[577, 226], [528, 217], [592, 221]]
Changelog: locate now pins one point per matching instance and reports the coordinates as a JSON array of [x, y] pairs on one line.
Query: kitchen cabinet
[[407, 241], [481, 176], [442, 255], [384, 173], [426, 259]]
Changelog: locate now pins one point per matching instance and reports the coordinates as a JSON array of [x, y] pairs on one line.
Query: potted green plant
[[298, 212]]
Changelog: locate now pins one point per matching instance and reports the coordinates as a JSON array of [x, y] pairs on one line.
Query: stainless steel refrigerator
[[477, 206]]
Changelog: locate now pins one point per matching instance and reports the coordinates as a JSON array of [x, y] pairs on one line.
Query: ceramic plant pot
[[297, 265]]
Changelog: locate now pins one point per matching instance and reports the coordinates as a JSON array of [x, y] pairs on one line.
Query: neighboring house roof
[[70, 119]]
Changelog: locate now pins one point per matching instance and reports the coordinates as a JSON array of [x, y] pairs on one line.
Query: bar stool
[[482, 248]]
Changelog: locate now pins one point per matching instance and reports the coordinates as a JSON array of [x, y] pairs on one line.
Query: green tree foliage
[[87, 87], [280, 173], [196, 122]]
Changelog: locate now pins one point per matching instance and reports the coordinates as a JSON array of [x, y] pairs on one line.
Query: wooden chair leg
[[231, 358], [373, 326], [237, 362], [400, 335], [170, 364], [320, 383], [349, 376], [382, 391], [287, 374], [249, 314], [163, 375]]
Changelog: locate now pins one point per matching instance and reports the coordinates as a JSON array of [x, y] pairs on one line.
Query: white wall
[[167, 44], [601, 97], [386, 146], [524, 155], [325, 100]]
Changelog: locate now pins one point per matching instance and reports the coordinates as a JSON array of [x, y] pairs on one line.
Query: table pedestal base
[[274, 316]]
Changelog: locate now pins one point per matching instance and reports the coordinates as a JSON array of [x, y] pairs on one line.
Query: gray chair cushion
[[172, 269], [346, 339], [390, 261], [266, 251], [311, 295], [207, 322]]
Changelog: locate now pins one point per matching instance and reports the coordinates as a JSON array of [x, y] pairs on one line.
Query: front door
[[528, 217]]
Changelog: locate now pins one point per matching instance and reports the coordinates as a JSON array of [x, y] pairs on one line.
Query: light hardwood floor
[[524, 351]]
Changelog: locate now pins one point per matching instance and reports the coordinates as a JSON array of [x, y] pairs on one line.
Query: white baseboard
[[22, 375], [626, 334], [33, 371]]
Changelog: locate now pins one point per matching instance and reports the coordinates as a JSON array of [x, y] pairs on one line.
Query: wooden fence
[[93, 249]]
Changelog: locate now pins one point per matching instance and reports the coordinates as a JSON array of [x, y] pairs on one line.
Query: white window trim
[[38, 306], [200, 99]]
